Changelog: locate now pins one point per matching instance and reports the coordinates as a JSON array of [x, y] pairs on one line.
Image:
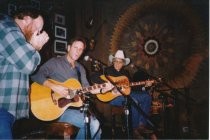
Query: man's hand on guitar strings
[[109, 86], [63, 91]]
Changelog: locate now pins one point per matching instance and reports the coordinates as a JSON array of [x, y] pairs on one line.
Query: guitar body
[[47, 105], [108, 96], [120, 81]]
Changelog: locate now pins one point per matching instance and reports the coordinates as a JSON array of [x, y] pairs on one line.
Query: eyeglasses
[[118, 62]]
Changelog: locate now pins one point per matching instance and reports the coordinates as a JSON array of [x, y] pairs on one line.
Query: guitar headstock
[[153, 82], [149, 83]]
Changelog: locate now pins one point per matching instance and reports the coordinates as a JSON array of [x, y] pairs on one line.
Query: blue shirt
[[18, 59], [59, 69]]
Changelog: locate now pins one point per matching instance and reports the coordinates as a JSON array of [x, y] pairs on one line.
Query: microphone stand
[[174, 91], [128, 101], [127, 113], [85, 109], [126, 108]]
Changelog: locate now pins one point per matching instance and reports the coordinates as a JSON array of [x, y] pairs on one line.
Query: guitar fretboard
[[138, 83], [97, 86]]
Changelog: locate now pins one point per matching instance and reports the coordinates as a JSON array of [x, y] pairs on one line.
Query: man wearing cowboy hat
[[144, 99], [119, 55]]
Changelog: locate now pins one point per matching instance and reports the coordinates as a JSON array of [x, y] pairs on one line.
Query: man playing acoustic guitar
[[51, 74], [115, 72]]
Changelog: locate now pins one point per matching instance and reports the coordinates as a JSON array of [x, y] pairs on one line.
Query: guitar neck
[[137, 83], [140, 83], [94, 87]]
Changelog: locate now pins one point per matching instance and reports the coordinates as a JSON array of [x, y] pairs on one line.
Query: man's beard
[[28, 34]]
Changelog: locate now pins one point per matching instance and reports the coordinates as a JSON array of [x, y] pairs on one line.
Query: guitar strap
[[78, 74]]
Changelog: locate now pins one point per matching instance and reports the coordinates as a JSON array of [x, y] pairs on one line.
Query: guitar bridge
[[53, 99]]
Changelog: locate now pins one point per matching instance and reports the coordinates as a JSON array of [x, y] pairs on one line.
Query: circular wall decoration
[[151, 47], [165, 38]]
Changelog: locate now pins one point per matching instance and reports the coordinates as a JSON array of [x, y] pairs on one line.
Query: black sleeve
[[139, 76], [95, 78]]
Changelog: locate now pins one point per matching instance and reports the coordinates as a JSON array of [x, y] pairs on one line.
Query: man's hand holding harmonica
[[38, 39]]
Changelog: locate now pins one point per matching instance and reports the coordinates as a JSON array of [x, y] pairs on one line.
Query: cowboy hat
[[119, 54]]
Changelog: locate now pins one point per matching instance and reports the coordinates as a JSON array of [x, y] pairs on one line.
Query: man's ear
[[27, 20], [68, 47]]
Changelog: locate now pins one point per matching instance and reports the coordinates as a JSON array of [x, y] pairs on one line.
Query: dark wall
[[183, 61]]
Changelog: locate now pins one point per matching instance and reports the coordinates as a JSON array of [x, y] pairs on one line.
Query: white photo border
[[60, 32], [60, 46], [60, 19]]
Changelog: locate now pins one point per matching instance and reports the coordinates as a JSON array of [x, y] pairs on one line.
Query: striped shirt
[[18, 59]]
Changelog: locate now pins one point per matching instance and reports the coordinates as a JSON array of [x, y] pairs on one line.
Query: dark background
[[181, 29]]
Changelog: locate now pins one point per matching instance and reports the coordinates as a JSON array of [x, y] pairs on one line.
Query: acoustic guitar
[[47, 105], [122, 83]]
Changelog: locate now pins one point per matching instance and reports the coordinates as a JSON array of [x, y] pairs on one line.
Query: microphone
[[95, 64], [132, 65], [88, 58]]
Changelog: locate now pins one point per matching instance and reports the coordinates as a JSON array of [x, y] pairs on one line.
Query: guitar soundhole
[[62, 102]]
